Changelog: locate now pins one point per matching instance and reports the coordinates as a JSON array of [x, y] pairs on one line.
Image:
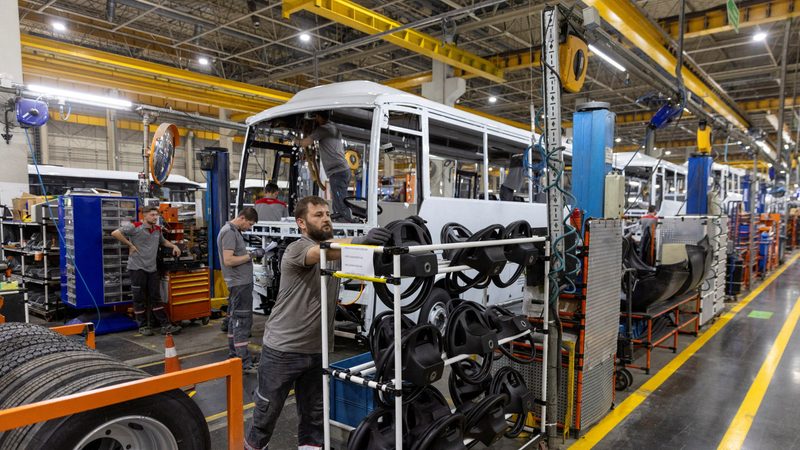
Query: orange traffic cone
[[172, 363]]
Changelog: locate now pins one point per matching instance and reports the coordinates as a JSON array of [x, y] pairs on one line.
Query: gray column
[[44, 144], [14, 170], [189, 160], [111, 140]]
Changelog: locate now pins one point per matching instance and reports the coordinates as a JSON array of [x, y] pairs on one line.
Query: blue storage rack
[[86, 223]]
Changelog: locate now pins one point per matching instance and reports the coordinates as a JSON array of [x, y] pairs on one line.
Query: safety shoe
[[170, 328], [145, 331]]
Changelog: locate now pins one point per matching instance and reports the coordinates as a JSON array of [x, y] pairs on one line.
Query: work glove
[[257, 253], [375, 236]]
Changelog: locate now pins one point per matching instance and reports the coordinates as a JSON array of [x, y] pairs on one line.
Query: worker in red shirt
[[270, 208]]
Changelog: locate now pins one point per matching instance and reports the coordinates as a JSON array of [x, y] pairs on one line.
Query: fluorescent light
[[78, 97], [493, 99], [607, 58], [618, 140], [668, 152], [738, 142], [783, 171], [760, 36], [59, 26], [203, 60], [769, 164], [305, 37]]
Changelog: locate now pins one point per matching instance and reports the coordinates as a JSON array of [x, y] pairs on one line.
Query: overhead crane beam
[[511, 62], [370, 22], [631, 23], [715, 20], [74, 52], [126, 82], [135, 125]]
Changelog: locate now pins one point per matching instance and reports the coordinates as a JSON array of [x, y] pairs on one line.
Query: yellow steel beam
[[133, 125], [765, 104], [39, 44], [510, 122], [631, 23], [129, 82], [715, 20], [367, 21], [508, 63]]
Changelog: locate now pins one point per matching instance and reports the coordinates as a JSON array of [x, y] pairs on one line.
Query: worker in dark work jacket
[[143, 240], [270, 208]]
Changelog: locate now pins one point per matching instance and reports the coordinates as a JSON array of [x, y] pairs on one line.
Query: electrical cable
[[70, 256]]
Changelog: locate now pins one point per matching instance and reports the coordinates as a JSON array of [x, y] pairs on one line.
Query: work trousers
[[338, 183], [240, 320], [279, 373], [146, 290]]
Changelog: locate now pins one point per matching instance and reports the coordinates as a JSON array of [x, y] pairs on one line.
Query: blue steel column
[[697, 186], [592, 146], [217, 204]]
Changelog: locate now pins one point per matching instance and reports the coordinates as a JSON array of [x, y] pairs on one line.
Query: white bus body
[[433, 161]]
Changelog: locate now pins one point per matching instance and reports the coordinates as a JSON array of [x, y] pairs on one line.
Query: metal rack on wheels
[[357, 375]]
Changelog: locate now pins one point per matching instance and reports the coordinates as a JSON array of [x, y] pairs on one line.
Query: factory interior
[[400, 224]]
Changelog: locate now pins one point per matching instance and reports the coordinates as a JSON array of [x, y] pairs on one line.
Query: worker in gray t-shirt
[[237, 269], [331, 154], [270, 208], [291, 357], [143, 240]]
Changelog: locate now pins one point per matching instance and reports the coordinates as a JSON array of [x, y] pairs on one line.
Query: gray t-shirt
[[230, 238], [331, 151], [295, 324], [271, 209], [147, 240]]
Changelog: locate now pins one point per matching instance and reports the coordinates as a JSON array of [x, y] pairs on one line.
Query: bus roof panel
[[366, 94]]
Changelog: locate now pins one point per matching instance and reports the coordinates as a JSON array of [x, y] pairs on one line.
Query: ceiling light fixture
[[203, 60], [607, 58], [78, 97], [305, 37], [618, 140], [59, 26], [493, 99], [668, 152], [760, 36]]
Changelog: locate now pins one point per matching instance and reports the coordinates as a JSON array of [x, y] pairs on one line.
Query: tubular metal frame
[[397, 388]]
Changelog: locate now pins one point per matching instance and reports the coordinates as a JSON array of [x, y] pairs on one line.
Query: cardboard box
[[21, 206]]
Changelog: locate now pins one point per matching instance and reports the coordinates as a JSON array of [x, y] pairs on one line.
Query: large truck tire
[[37, 364]]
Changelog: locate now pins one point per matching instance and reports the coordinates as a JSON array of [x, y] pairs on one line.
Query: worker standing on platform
[[143, 239], [270, 208], [331, 155], [291, 355], [237, 269]]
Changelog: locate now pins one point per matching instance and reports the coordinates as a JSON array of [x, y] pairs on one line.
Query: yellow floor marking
[[222, 414], [247, 406], [740, 425], [621, 411], [155, 363], [192, 355]]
